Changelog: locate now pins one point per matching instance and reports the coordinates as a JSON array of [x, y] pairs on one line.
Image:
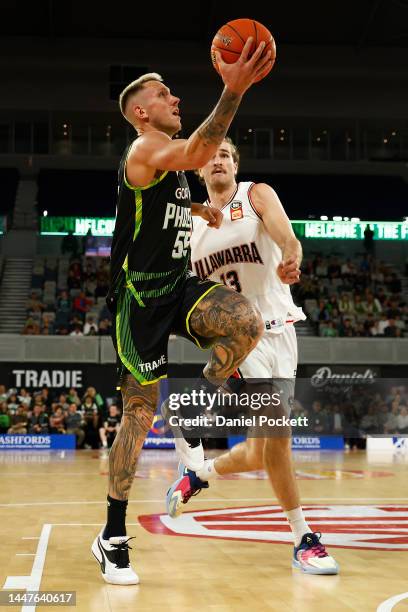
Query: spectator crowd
[[353, 297], [94, 421], [360, 297], [356, 412]]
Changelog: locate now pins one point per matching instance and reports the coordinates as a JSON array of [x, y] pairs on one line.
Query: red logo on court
[[366, 527]]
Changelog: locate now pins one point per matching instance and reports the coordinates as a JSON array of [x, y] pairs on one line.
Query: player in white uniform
[[255, 252]]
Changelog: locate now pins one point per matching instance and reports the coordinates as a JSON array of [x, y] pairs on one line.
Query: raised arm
[[157, 150], [278, 226]]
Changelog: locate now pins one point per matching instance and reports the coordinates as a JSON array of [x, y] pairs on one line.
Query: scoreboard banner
[[329, 230]]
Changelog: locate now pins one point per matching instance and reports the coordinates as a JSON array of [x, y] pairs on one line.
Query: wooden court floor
[[231, 551]]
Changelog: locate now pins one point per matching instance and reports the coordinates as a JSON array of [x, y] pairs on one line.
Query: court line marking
[[33, 581], [378, 500], [57, 473], [30, 537], [388, 604], [25, 554], [89, 524]]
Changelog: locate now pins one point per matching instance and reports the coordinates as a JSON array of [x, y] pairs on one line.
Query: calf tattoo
[[234, 323], [139, 407]]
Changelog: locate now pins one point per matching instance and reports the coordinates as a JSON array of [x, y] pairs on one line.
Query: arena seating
[[68, 296], [342, 297], [47, 411], [360, 297], [51, 411]]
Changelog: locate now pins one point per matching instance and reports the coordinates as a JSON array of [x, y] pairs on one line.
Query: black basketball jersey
[[151, 241], [112, 421]]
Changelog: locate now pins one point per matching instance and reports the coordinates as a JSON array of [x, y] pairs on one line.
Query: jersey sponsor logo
[[149, 366], [182, 193], [380, 527], [274, 323], [244, 253], [236, 211], [177, 216]]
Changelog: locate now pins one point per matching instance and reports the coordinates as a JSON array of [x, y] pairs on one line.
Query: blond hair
[[134, 87]]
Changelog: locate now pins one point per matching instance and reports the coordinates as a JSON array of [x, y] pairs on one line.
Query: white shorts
[[275, 356]]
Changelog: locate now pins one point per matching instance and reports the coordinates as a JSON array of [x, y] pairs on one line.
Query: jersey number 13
[[230, 279]]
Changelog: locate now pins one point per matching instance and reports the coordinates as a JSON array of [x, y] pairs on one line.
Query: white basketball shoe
[[113, 557]]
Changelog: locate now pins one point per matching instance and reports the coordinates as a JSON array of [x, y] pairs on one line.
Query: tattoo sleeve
[[139, 407], [213, 130], [215, 127]]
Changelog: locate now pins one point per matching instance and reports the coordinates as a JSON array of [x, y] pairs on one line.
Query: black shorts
[[141, 333]]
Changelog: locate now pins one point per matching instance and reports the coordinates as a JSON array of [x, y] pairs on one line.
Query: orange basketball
[[231, 38]]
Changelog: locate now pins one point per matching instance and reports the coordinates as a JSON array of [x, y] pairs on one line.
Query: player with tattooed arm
[[152, 294]]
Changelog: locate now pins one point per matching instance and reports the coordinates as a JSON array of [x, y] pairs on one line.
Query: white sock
[[297, 524], [208, 470]]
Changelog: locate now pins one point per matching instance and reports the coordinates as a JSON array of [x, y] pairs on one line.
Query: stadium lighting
[[355, 218], [337, 218], [324, 218]]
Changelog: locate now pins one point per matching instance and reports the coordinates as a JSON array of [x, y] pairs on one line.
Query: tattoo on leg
[[139, 407], [234, 323]]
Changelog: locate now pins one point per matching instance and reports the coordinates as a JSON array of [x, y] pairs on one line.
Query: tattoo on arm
[[213, 130], [139, 407]]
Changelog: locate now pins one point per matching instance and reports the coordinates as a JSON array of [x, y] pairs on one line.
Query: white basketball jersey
[[243, 256]]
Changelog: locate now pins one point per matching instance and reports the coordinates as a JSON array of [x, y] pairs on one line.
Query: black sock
[[115, 525], [201, 384]]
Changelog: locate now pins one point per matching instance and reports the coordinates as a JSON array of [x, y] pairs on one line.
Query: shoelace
[[123, 553], [319, 551], [190, 494], [318, 548]]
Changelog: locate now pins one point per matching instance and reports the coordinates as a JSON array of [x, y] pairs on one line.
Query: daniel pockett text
[[219, 414]]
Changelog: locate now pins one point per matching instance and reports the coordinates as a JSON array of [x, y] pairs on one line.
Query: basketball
[[231, 37]]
